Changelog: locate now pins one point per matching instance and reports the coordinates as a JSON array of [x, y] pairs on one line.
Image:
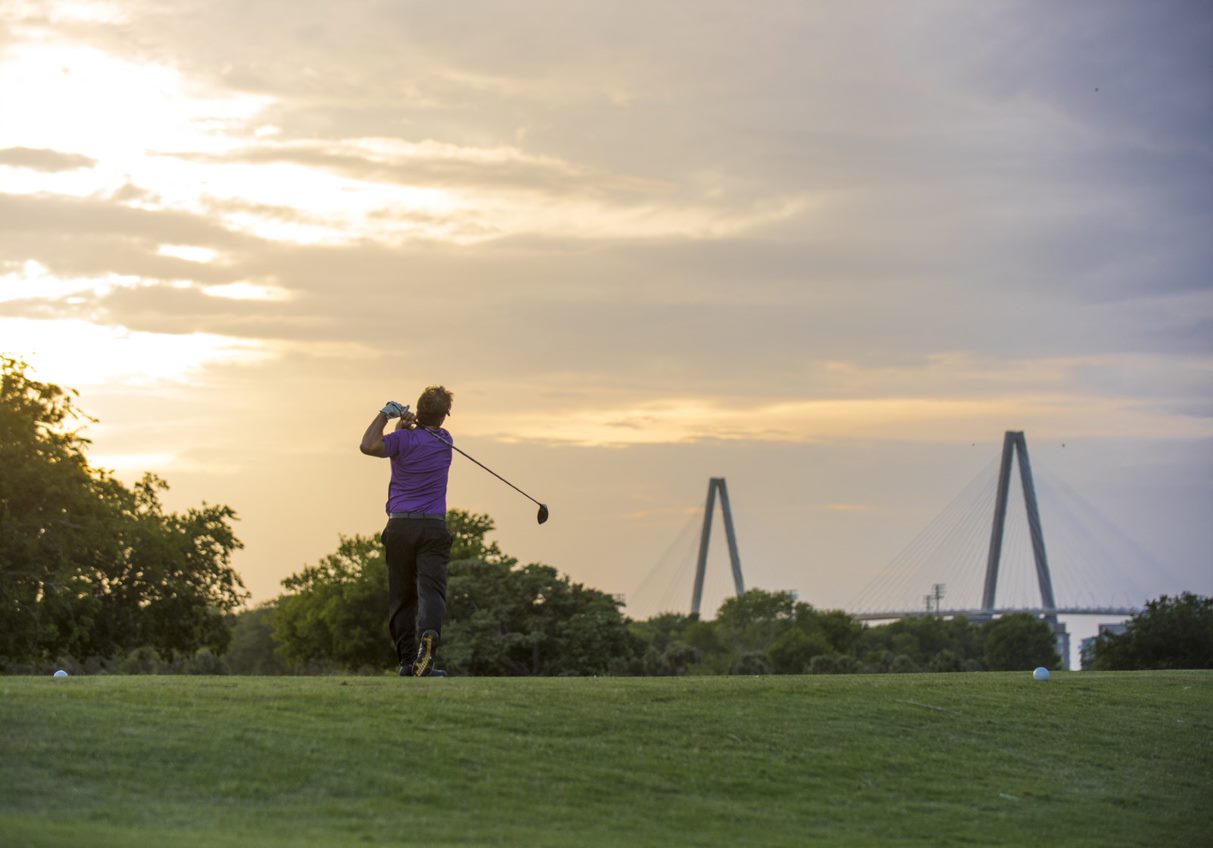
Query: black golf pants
[[418, 552]]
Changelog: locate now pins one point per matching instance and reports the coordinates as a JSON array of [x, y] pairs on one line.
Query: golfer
[[416, 538]]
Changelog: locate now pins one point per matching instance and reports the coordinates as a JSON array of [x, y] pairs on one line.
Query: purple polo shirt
[[420, 464]]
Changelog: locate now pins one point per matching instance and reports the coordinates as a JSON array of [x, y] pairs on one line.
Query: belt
[[441, 516]]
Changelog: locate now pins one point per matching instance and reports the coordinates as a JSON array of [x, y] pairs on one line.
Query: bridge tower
[[1014, 444], [715, 484]]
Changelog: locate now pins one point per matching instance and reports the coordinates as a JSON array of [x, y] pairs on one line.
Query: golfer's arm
[[372, 439]]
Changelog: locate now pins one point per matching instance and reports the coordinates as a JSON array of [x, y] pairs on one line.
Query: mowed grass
[[959, 759]]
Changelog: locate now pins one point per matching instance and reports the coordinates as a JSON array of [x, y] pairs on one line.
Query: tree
[[53, 513], [834, 664], [957, 641], [1169, 633], [531, 620], [705, 637], [751, 662], [470, 531], [253, 649], [794, 651], [816, 632], [1019, 642], [945, 661], [335, 612], [751, 622], [678, 659], [766, 630], [501, 618], [174, 586], [88, 567], [838, 628], [660, 631], [671, 644]]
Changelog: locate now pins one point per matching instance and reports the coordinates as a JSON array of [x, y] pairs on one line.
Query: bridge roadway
[[988, 613]]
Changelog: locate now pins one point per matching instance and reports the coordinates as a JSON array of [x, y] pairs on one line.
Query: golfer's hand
[[408, 421], [394, 410]]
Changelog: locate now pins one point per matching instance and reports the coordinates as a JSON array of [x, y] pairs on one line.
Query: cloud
[[247, 291], [188, 252], [67, 12], [434, 163], [44, 160], [40, 219], [689, 420], [83, 354], [135, 462]]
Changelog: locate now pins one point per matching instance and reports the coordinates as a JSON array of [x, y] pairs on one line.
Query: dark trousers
[[418, 552]]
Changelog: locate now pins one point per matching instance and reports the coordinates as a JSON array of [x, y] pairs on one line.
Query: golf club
[[543, 508]]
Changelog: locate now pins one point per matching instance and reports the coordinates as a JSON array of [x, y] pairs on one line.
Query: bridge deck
[[890, 615]]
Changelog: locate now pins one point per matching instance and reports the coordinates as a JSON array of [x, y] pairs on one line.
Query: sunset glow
[[83, 354]]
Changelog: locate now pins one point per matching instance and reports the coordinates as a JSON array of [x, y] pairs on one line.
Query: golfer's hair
[[433, 405]]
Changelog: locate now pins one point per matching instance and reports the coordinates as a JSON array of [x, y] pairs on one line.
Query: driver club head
[[543, 513]]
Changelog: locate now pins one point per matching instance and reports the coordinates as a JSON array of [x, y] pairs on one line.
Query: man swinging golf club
[[416, 538]]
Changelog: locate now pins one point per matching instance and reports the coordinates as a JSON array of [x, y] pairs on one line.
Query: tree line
[[97, 576], [508, 619]]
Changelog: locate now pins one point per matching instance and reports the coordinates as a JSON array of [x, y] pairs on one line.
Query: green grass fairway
[[951, 759]]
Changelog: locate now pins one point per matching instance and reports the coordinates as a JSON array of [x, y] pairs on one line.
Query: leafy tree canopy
[[502, 618], [755, 619], [758, 632], [89, 567], [959, 642], [1172, 632], [1020, 642]]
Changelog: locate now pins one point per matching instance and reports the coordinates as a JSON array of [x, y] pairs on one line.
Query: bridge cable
[[673, 553], [891, 583]]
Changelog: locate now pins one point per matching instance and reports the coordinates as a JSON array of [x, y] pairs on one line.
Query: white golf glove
[[394, 410]]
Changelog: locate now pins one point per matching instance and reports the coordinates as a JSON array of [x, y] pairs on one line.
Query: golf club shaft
[[481, 464]]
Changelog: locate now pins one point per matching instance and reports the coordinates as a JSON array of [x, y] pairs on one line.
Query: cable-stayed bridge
[[944, 554], [1085, 566], [987, 554]]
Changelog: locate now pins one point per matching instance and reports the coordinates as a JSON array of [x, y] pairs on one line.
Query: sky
[[830, 252]]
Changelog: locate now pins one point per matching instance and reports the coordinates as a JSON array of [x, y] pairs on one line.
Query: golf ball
[[60, 673], [1040, 674]]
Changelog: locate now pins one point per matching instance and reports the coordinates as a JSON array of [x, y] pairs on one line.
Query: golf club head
[[543, 513]]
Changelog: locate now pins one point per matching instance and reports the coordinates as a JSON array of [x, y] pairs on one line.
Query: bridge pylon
[[716, 484], [1015, 445]]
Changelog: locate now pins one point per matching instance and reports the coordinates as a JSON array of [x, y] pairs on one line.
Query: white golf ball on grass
[[60, 673], [1041, 674]]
